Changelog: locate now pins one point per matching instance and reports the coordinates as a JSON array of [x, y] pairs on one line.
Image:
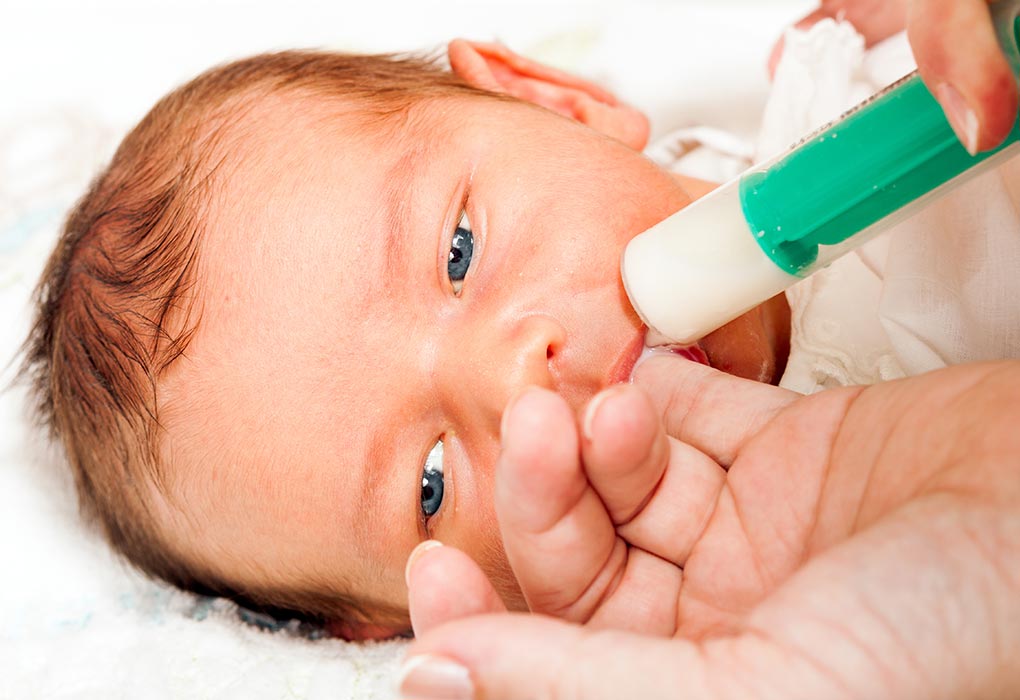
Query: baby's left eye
[[432, 481], [462, 248]]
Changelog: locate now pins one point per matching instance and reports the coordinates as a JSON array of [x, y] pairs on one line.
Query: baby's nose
[[505, 360]]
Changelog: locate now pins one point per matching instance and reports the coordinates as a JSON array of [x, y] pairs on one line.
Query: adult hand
[[599, 515], [957, 56], [864, 544]]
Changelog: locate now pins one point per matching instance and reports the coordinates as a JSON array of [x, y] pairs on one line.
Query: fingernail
[[428, 677], [962, 118], [416, 554], [590, 411]]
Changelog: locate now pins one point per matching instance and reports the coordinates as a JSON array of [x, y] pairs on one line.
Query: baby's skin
[[367, 300]]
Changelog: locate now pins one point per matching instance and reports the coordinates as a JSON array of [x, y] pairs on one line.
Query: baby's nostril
[[549, 352]]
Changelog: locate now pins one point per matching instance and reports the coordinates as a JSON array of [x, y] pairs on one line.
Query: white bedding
[[76, 623]]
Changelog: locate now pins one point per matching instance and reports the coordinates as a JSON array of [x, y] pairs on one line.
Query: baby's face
[[340, 341]]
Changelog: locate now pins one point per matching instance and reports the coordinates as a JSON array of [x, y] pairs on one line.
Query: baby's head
[[300, 274]]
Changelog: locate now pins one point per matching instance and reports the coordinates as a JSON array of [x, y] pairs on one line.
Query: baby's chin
[[753, 346]]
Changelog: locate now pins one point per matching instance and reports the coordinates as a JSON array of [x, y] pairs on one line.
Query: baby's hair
[[114, 308]]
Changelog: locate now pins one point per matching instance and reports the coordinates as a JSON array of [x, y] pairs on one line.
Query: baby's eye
[[432, 481], [462, 247]]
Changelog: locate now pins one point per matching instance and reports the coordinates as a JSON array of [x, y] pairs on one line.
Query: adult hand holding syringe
[[957, 56], [784, 219]]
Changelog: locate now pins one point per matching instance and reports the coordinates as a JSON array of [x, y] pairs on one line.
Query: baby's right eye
[[432, 482], [462, 248]]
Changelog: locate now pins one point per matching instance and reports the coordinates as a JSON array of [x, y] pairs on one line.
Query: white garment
[[941, 288]]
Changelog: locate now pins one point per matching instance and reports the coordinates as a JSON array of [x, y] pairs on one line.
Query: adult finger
[[508, 657], [558, 538], [712, 411], [512, 657], [624, 449], [444, 584], [961, 63], [659, 492]]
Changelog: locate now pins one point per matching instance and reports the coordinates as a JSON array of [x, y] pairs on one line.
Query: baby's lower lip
[[656, 342], [694, 353]]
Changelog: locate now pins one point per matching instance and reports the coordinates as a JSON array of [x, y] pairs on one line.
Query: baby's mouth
[[657, 345], [693, 352]]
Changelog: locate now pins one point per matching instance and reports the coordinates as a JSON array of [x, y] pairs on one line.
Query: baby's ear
[[496, 68], [354, 631]]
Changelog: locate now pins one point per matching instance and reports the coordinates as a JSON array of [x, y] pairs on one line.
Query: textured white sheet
[[74, 623]]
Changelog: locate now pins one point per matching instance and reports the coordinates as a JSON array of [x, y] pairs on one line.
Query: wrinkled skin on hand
[[861, 542]]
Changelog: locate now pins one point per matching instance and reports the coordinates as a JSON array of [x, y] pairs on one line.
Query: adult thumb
[[514, 656], [961, 63]]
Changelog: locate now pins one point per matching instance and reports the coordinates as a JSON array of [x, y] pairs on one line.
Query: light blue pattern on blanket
[[38, 221]]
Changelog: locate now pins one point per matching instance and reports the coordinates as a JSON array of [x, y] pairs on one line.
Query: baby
[[278, 332]]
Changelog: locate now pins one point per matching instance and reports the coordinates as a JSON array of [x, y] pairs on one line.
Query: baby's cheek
[[474, 527], [481, 540]]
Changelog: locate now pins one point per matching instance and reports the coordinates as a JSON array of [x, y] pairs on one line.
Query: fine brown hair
[[115, 309]]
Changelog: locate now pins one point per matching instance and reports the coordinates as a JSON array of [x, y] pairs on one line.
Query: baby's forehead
[[276, 148], [255, 124], [261, 119]]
